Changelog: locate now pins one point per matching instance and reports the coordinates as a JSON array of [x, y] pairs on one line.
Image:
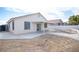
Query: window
[[13, 25], [8, 25], [45, 25], [26, 25]]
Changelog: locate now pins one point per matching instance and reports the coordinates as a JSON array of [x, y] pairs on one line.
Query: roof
[[55, 21], [24, 16]]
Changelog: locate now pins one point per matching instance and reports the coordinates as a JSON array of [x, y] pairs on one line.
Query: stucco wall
[[10, 27], [19, 28]]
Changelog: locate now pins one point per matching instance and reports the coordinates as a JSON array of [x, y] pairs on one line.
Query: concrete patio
[[8, 35]]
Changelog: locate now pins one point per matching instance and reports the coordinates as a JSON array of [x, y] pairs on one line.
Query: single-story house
[[27, 23], [55, 22]]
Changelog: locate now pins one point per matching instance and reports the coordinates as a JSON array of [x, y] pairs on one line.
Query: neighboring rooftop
[[55, 21]]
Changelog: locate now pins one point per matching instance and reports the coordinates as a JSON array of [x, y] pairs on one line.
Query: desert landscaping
[[43, 43]]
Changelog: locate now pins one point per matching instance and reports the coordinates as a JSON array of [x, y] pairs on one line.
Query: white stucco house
[[27, 23]]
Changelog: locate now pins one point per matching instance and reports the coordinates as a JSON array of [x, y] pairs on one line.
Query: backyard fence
[[65, 28]]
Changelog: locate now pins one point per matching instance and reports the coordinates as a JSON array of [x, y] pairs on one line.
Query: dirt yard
[[44, 43]]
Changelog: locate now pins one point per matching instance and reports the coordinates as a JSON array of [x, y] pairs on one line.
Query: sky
[[50, 9]]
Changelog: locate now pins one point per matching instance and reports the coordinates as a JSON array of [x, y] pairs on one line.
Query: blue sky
[[51, 9], [7, 13]]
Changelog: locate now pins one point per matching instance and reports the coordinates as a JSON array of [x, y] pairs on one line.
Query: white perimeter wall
[[63, 27]]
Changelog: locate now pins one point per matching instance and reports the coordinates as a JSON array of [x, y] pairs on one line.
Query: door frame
[[38, 27]]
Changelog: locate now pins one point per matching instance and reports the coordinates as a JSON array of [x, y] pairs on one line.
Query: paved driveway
[[8, 35]]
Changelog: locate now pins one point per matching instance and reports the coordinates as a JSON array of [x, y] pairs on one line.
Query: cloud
[[51, 9], [39, 3], [2, 22]]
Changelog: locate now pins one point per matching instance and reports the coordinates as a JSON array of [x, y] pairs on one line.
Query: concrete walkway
[[73, 36], [8, 35]]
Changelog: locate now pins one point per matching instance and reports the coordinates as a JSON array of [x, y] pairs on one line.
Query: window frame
[[12, 25], [26, 25]]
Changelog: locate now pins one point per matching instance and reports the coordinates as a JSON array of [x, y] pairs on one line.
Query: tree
[[74, 20]]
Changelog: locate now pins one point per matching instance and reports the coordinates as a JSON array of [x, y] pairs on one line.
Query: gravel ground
[[44, 43]]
